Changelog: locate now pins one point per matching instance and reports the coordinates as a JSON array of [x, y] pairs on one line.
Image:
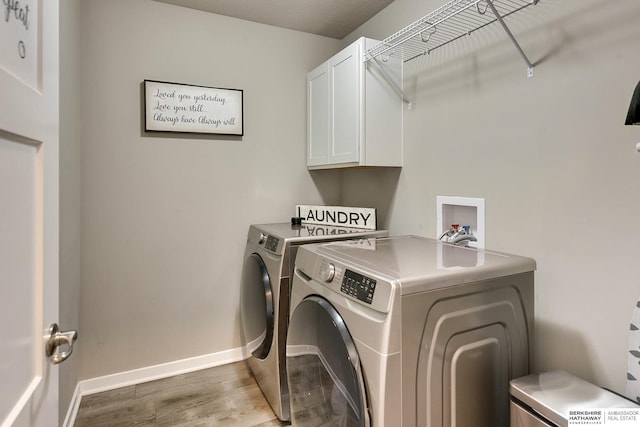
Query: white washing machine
[[264, 306], [407, 331]]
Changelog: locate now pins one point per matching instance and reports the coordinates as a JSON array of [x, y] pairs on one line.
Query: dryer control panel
[[358, 286]]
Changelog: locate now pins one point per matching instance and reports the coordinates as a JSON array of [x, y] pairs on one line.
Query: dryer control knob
[[327, 273], [262, 238]]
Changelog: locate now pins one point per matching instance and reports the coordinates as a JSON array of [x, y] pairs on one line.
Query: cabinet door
[[345, 99], [318, 116]]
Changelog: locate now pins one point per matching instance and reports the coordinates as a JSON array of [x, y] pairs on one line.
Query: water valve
[[457, 235]]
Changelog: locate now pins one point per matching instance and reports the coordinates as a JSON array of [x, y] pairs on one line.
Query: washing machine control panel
[[358, 286], [272, 243]]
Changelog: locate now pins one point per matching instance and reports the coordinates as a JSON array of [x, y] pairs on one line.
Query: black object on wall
[[633, 116]]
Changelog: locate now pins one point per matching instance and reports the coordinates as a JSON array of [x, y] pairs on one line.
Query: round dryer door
[[323, 368], [256, 306]]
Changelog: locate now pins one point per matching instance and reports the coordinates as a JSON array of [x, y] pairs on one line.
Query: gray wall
[[165, 217], [550, 155]]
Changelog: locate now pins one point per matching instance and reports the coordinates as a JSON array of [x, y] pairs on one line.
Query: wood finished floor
[[222, 396]]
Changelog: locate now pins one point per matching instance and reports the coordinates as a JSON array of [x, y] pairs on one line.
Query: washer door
[[256, 306], [323, 368]]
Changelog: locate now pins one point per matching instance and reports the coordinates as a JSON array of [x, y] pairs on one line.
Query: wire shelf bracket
[[512, 37]]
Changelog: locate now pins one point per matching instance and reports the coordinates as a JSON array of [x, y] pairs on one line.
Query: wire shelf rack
[[450, 22]]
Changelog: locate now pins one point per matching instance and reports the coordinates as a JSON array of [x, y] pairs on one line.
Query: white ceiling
[[330, 18]]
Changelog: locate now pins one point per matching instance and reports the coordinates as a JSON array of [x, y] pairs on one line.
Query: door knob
[[56, 342]]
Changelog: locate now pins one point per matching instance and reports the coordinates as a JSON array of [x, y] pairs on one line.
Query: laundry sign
[[364, 218]]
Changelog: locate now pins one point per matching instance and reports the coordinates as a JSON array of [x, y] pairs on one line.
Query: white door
[[28, 210]]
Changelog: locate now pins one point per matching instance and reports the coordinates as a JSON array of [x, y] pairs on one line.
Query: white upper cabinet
[[354, 111], [318, 116]]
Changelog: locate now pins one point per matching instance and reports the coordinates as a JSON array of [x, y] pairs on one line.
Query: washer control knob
[[262, 238], [327, 273]]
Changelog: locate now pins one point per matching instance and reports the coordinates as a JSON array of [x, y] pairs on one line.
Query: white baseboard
[[149, 373], [72, 411]]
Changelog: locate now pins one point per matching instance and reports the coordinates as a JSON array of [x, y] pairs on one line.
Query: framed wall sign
[[177, 107]]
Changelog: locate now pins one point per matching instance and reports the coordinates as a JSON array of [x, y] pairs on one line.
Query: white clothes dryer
[[407, 331], [264, 306]]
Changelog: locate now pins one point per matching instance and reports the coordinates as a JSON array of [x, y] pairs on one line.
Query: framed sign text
[[177, 107]]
